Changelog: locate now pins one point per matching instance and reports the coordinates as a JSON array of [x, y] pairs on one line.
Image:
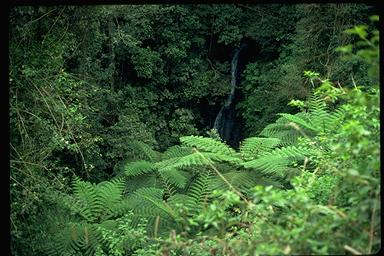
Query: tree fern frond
[[119, 209], [292, 152], [301, 121], [327, 121], [169, 188], [194, 159], [173, 176], [269, 164], [144, 151], [138, 168], [277, 161], [197, 192], [86, 198], [149, 202], [176, 151], [133, 183], [73, 239], [218, 157], [287, 135], [251, 147], [208, 144], [238, 179], [110, 195], [243, 180], [271, 130], [316, 103], [61, 243]]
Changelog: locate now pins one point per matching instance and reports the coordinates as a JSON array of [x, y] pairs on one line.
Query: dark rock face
[[227, 126], [226, 122]]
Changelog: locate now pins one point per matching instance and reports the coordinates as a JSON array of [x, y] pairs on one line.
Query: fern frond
[[74, 239], [327, 121], [238, 179], [303, 122], [269, 164], [86, 198], [133, 183], [138, 168], [242, 180], [176, 151], [173, 176], [194, 159], [197, 192], [144, 151], [169, 188], [176, 199], [271, 130], [316, 103], [149, 202], [217, 157], [208, 144], [119, 209], [283, 131], [287, 135], [110, 195], [251, 147], [277, 161]]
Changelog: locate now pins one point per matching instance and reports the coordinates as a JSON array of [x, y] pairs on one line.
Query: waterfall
[[225, 119]]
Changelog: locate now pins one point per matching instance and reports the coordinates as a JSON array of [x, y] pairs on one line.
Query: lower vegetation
[[112, 152]]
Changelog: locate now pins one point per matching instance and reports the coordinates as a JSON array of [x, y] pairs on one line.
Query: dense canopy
[[199, 129]]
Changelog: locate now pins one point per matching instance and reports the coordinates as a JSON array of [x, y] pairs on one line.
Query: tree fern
[[197, 192], [176, 151], [193, 159], [316, 119], [303, 121], [174, 176], [281, 130], [149, 202], [327, 121], [252, 147], [138, 168], [91, 204], [277, 161], [196, 159], [144, 151], [74, 239], [208, 144], [110, 196], [316, 103], [86, 200]]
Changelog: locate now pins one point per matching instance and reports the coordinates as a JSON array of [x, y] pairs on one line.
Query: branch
[[352, 250], [222, 177]]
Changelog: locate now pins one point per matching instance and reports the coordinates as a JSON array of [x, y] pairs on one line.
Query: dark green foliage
[[91, 207], [138, 167], [110, 107], [272, 81]]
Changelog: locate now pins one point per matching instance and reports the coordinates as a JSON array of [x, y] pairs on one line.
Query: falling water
[[225, 119]]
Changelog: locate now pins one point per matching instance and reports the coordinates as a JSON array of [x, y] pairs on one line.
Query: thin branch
[[352, 250], [371, 230], [49, 109], [353, 81], [57, 18], [222, 177], [156, 228]]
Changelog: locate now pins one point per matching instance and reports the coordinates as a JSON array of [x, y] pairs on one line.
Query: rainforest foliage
[[112, 150]]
